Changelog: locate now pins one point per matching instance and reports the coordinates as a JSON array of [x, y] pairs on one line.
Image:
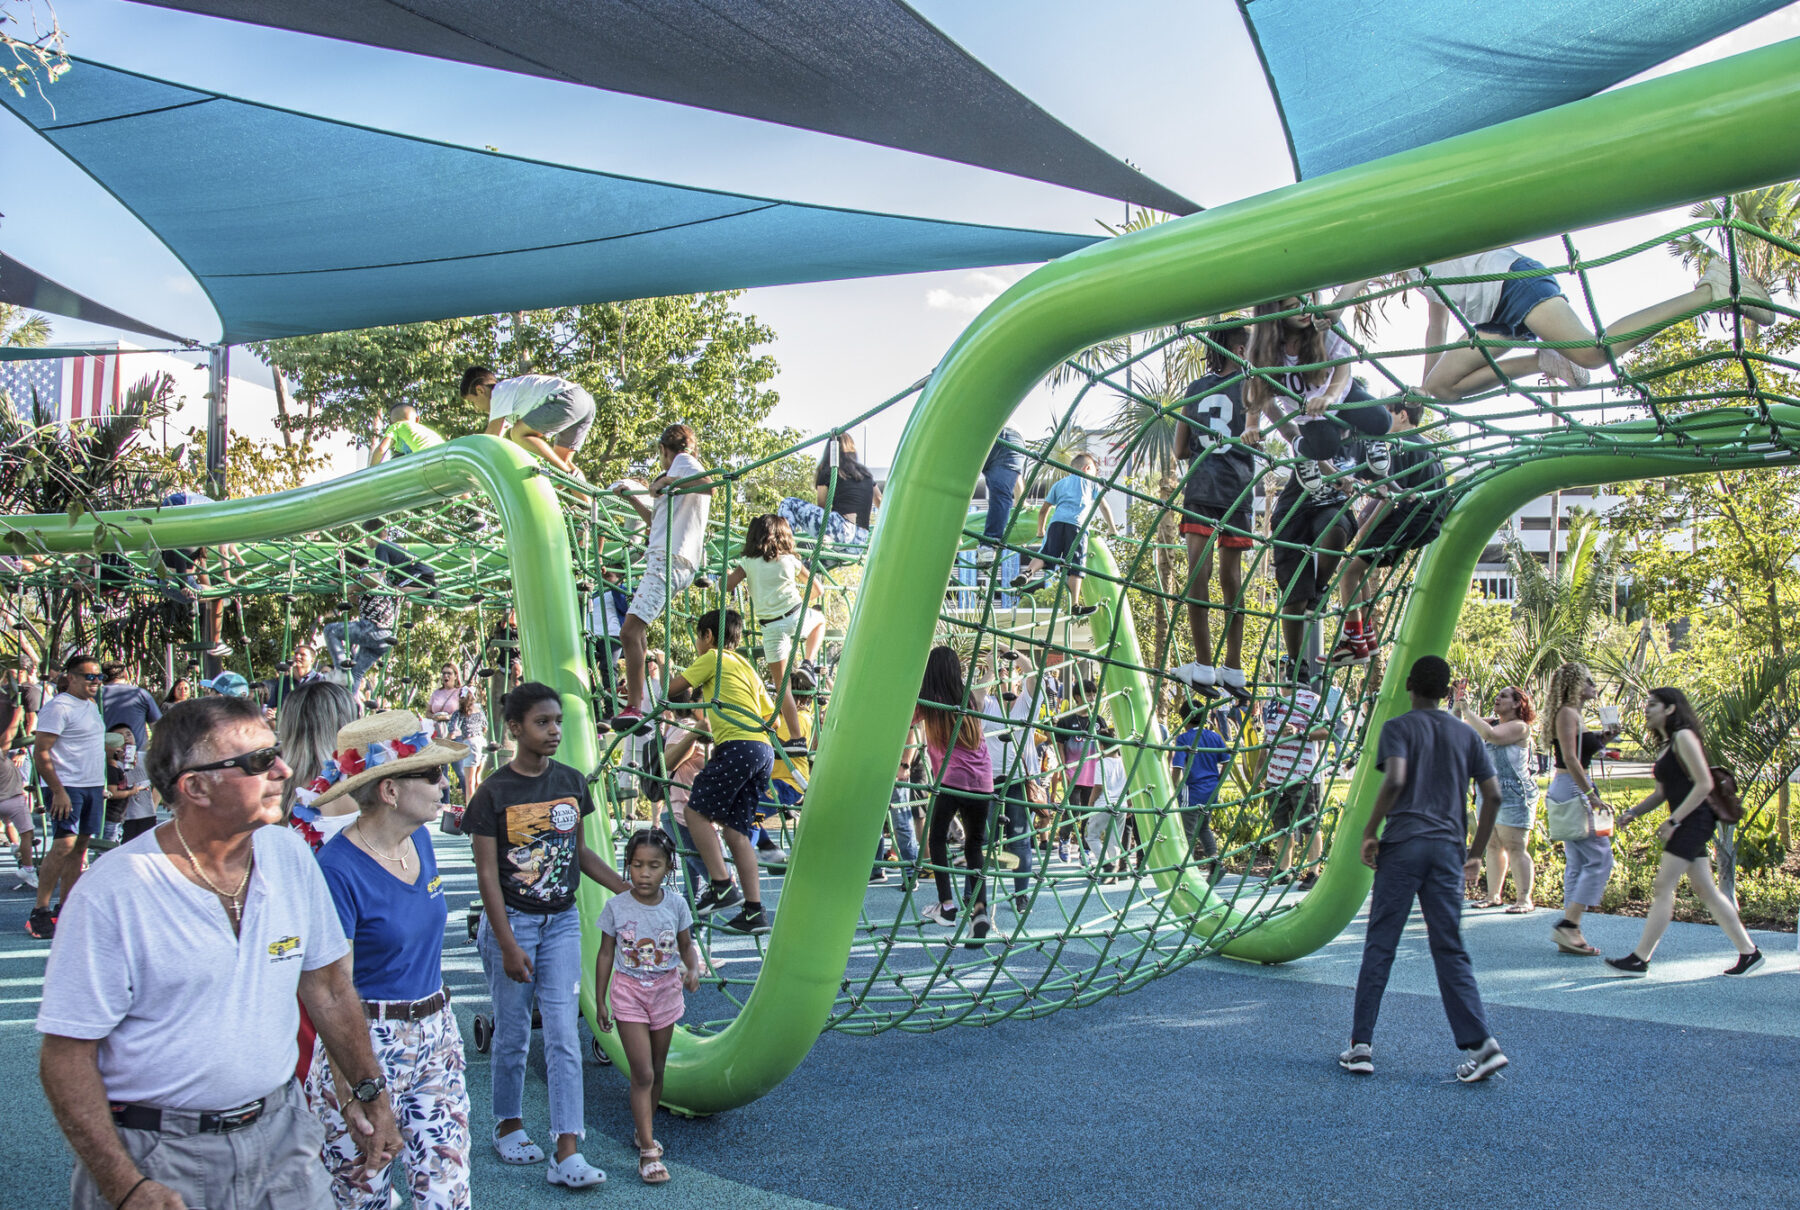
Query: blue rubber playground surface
[[1216, 1086]]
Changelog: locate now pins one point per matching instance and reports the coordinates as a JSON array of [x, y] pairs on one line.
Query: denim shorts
[[1067, 544], [1518, 297], [88, 812]]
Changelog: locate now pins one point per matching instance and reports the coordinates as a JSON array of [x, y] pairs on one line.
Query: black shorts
[[1067, 544], [1203, 516], [1403, 529], [1302, 531], [1295, 802]]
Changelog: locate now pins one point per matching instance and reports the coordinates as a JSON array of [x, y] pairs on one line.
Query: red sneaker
[[1349, 652], [630, 721]]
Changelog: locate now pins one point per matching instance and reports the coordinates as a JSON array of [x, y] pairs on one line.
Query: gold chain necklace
[[370, 845], [235, 900]]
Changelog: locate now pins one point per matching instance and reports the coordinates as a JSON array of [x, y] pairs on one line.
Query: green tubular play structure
[[1698, 133], [537, 548]]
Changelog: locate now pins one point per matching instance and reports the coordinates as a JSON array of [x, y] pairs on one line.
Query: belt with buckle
[[783, 616], [148, 1117], [405, 1010]]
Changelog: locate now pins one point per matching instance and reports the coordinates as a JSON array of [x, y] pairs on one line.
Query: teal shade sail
[[295, 224], [1356, 80]]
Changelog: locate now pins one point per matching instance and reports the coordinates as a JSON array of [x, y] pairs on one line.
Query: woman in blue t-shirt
[[384, 880]]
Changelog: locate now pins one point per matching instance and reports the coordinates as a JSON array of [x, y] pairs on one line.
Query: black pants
[[137, 827], [973, 810]]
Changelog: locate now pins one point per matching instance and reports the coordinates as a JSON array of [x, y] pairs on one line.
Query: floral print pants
[[423, 1062]]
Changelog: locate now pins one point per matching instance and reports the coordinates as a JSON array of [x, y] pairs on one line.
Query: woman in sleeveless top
[[1508, 741], [1588, 862], [1683, 781]]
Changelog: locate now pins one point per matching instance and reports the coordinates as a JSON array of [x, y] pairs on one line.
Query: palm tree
[[24, 329], [1142, 431], [1775, 210], [1557, 612]]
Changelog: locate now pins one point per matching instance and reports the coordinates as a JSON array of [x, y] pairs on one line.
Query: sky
[[1189, 106]]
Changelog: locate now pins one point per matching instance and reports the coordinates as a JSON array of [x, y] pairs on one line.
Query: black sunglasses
[[433, 776], [254, 763], [91, 676]]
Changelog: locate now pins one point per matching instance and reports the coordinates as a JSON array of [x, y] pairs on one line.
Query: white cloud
[[975, 292]]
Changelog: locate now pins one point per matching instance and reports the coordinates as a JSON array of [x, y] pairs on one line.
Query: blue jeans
[[697, 877], [1001, 473], [371, 643], [900, 816], [553, 943], [1431, 870], [1018, 830]]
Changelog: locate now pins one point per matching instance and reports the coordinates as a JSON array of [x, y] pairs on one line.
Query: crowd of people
[[294, 814]]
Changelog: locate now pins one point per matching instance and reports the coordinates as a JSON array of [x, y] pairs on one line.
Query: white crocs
[[573, 1173], [517, 1148]]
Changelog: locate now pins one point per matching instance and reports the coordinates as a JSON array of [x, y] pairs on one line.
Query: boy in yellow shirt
[[727, 792]]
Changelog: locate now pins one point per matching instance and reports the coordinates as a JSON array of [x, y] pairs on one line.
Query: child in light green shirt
[[404, 435]]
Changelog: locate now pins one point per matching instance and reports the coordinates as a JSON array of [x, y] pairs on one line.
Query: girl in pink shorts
[[647, 956]]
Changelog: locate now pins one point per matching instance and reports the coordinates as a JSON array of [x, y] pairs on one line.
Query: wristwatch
[[367, 1090]]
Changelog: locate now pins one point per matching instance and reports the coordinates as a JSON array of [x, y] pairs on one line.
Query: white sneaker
[[1482, 1062], [985, 556], [1718, 278], [573, 1173], [27, 877], [1553, 364], [937, 913], [1358, 1060], [1196, 675], [1232, 681]]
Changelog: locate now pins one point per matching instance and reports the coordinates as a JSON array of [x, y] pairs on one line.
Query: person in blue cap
[[227, 684]]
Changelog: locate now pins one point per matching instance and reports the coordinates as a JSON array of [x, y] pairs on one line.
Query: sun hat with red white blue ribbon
[[377, 746]]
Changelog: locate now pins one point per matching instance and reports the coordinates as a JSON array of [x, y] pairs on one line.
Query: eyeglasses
[[254, 764], [91, 676], [432, 776]]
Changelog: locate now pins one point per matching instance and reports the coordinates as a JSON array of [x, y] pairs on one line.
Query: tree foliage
[[648, 363]]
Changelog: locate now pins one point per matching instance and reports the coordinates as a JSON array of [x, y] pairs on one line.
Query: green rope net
[[1095, 874]]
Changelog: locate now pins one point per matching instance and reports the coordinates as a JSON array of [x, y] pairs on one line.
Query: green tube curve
[[1662, 143]]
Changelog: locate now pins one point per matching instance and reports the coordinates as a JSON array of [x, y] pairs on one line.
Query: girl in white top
[[1528, 309], [770, 572]]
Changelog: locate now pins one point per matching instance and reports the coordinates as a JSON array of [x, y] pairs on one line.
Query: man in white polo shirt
[[69, 748], [169, 1012]]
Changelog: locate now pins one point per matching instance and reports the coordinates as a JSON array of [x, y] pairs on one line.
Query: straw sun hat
[[381, 745]]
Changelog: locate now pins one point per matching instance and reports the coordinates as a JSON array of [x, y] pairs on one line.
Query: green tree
[[648, 363], [23, 329], [1775, 209]]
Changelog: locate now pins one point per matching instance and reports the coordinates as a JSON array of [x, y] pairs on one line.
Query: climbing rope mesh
[[1086, 919]]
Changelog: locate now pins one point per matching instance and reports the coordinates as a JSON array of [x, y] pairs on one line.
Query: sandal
[[1521, 909], [651, 1169], [517, 1148], [1491, 903]]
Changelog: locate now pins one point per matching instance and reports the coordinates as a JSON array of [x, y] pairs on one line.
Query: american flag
[[85, 387]]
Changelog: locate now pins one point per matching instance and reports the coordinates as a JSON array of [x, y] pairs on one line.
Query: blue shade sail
[[873, 70], [1359, 79], [23, 287], [295, 224]]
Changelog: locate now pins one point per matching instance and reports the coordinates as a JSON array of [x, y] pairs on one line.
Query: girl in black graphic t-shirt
[[530, 853]]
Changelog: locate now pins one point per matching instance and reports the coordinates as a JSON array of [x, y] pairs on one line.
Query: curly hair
[[1527, 713], [768, 537], [1565, 690]]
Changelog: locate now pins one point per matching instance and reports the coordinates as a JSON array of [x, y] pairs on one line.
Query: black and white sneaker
[[41, 924], [1358, 1060], [752, 921], [1630, 964], [1746, 963], [979, 924], [712, 899], [1482, 1062], [1312, 479]]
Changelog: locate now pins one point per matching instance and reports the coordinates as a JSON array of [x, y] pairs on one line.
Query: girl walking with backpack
[[1684, 781]]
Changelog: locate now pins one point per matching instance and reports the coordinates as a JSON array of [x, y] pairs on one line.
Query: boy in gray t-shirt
[[1427, 759]]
